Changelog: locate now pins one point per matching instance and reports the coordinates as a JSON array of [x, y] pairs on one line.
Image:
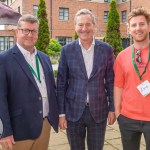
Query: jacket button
[[40, 112], [40, 98]]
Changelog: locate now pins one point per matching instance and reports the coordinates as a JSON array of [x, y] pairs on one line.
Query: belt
[[87, 104], [44, 117]]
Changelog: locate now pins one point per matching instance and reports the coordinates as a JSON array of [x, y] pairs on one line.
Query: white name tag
[[144, 88]]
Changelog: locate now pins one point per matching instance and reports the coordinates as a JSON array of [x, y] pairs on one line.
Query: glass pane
[[63, 13], [11, 44], [11, 38], [1, 39], [65, 18], [35, 10], [61, 10], [68, 40], [61, 17]]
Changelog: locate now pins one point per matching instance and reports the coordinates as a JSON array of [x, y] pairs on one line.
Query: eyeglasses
[[27, 31], [138, 59]]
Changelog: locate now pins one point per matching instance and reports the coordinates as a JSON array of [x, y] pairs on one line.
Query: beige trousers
[[41, 143]]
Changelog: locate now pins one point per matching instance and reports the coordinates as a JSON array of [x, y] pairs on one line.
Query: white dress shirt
[[88, 56], [31, 60]]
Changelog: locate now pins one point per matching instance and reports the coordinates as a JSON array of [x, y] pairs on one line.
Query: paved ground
[[59, 141], [112, 140]]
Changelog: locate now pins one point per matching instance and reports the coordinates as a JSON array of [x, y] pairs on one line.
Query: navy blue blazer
[[73, 83], [20, 99]]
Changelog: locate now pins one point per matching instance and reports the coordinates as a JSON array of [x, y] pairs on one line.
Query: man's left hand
[[111, 118]]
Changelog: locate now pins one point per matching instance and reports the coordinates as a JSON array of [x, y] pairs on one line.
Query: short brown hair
[[139, 11], [27, 18]]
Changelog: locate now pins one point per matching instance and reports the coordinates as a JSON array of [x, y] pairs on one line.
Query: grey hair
[[85, 12], [27, 18]]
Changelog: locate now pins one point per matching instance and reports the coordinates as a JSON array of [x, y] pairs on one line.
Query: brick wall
[[66, 28]]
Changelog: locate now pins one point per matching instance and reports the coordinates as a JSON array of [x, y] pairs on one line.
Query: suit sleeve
[[4, 110], [62, 82], [109, 79]]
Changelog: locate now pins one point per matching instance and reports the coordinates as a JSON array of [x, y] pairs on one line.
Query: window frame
[[106, 16], [35, 10], [106, 1], [124, 16], [6, 42], [62, 14], [63, 40]]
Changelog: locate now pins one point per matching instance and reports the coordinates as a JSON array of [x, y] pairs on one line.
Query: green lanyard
[[37, 68], [135, 66]]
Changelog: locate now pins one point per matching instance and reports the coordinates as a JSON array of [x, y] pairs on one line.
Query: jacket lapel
[[45, 70], [96, 59], [80, 59], [23, 64]]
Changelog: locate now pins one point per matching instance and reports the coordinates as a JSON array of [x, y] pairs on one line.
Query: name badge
[[1, 128], [144, 88]]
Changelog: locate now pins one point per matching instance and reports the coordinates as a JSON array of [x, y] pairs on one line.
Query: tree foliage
[[75, 35], [113, 36], [44, 34], [54, 47]]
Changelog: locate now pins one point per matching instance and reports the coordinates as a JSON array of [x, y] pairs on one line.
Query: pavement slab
[[58, 141]]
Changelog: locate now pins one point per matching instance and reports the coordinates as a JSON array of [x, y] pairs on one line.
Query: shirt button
[[40, 112], [40, 98]]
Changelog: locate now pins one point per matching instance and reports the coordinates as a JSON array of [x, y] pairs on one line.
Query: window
[[105, 16], [35, 9], [19, 9], [63, 13], [124, 16], [2, 44], [64, 40], [107, 1], [7, 2], [6, 42]]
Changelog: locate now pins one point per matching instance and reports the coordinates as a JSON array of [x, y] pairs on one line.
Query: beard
[[141, 39]]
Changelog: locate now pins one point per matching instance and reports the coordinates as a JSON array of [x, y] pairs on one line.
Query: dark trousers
[[131, 132], [76, 132]]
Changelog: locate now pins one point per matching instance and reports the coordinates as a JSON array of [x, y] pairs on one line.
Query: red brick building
[[61, 15]]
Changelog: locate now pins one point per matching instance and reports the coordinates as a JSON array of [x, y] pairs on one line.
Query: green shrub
[[44, 35], [113, 36], [54, 47], [55, 73], [54, 60]]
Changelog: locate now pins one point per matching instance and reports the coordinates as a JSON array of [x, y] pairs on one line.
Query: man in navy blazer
[[85, 86], [28, 105]]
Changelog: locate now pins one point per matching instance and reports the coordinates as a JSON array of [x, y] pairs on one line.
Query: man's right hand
[[62, 123], [7, 142]]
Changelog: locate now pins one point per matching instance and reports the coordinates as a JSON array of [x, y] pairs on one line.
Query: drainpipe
[[130, 11], [50, 19], [130, 6]]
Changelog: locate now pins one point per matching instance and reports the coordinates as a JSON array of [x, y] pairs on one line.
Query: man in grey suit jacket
[[85, 86], [28, 104]]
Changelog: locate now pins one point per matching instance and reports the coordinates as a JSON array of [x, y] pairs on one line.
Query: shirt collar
[[93, 42], [25, 52], [90, 48]]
